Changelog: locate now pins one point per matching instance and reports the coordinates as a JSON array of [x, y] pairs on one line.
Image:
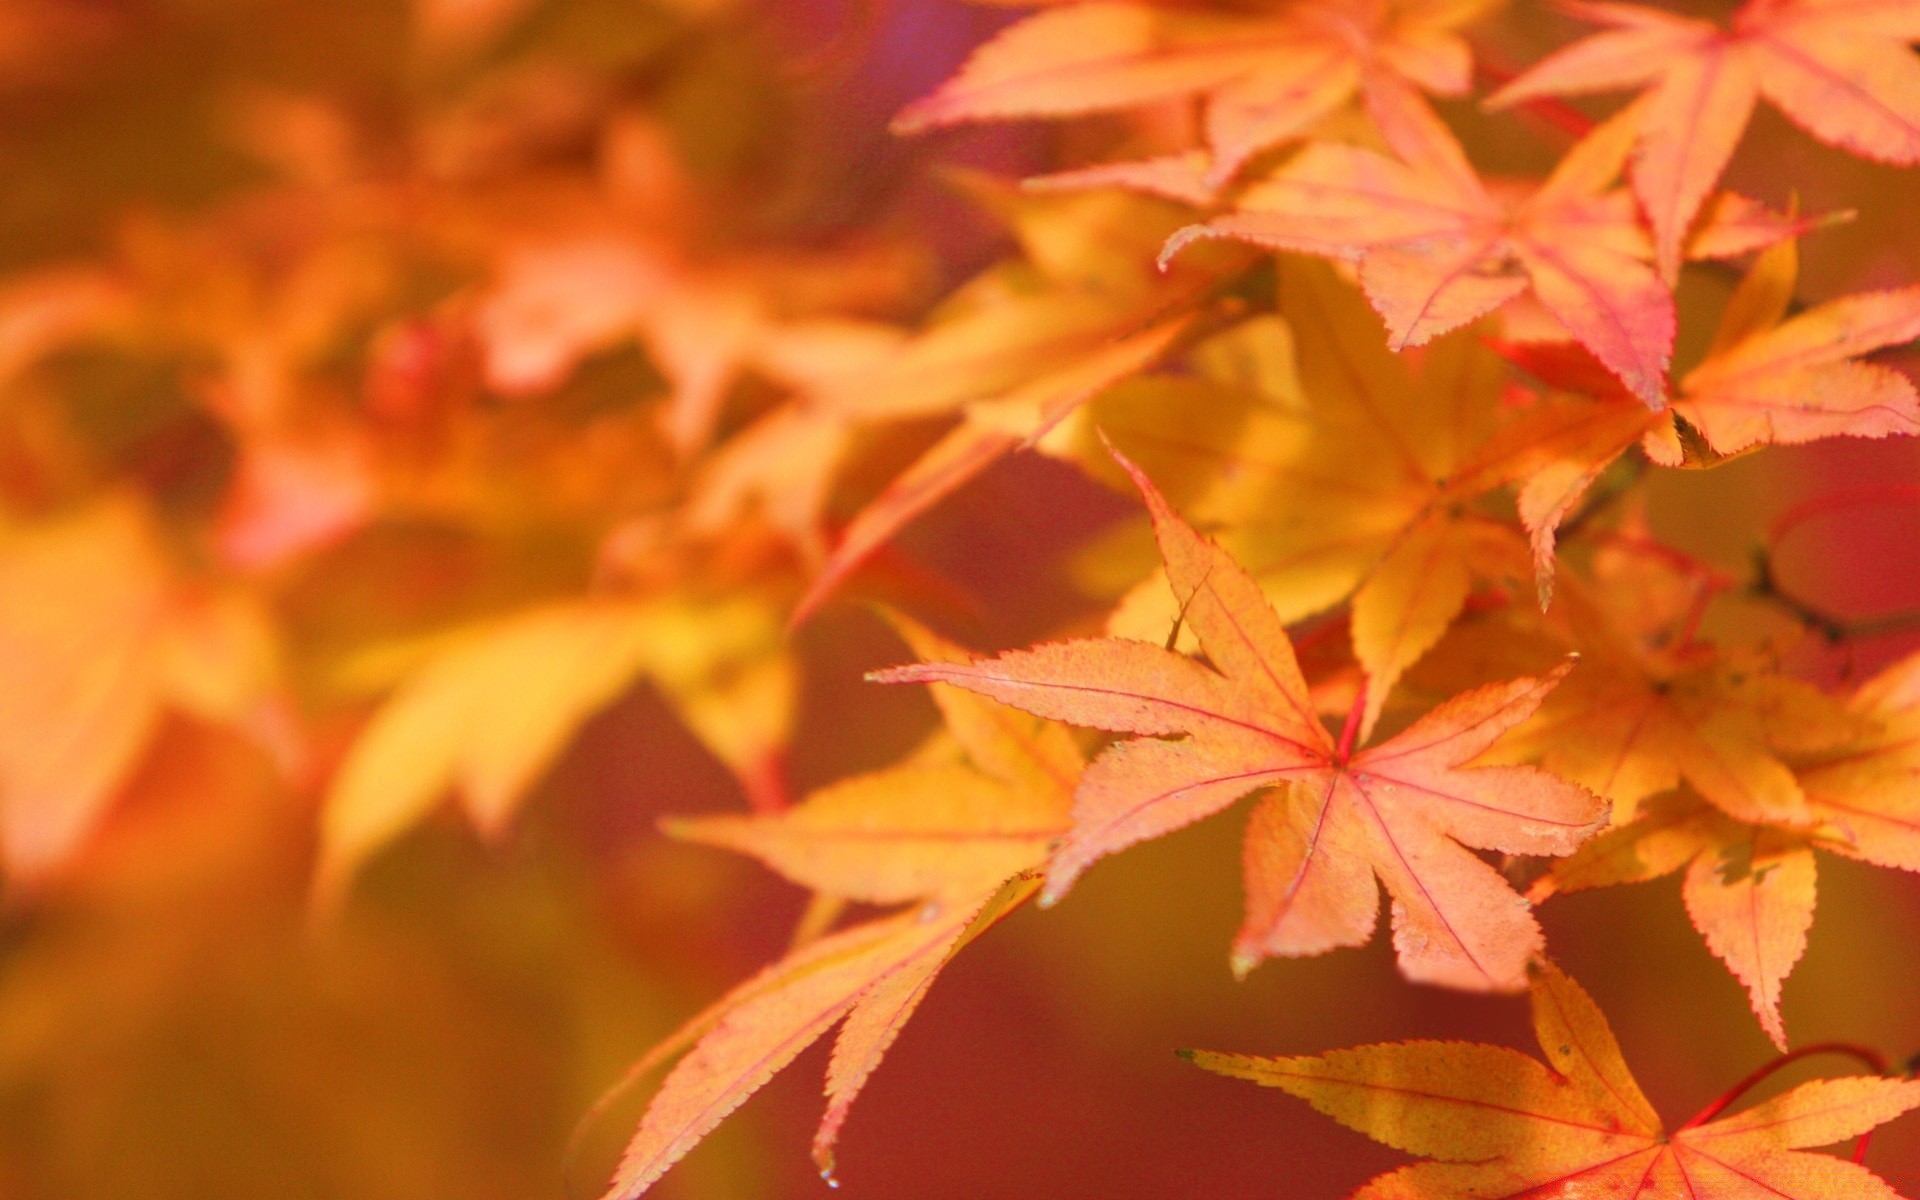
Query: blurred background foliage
[[337, 338]]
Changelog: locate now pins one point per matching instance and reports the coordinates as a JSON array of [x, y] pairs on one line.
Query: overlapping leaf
[[1503, 1125], [1332, 468], [1437, 248], [958, 830], [1840, 70], [1017, 349], [1265, 78], [1764, 381], [1750, 887], [1336, 819]]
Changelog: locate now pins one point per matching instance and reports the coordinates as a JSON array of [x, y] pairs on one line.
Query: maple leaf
[[1766, 379], [1651, 705], [1840, 70], [987, 801], [1265, 78], [1769, 380], [1017, 349], [490, 708], [1866, 790], [1750, 888], [1437, 248], [1339, 817], [1502, 1124], [959, 829], [870, 977], [1331, 467]]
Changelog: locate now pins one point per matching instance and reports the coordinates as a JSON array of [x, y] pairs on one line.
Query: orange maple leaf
[[958, 830], [1766, 379], [1265, 78], [1437, 248], [1334, 470], [1339, 817], [1840, 69], [1018, 349], [1750, 888], [1503, 1124]]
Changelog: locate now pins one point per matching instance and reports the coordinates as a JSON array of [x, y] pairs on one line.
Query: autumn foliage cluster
[[1453, 430]]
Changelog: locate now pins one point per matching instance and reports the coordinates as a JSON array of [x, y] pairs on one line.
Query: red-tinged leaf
[[1295, 85], [1797, 381], [875, 1022], [1415, 133], [1401, 804], [1090, 58], [1753, 902], [1861, 94], [1505, 1126], [1847, 399], [1606, 62], [1004, 742], [1730, 225], [1615, 305], [1437, 250], [1141, 790], [1820, 1113], [1438, 285], [1693, 120], [970, 448], [1264, 79], [1761, 382], [1562, 365], [1335, 201], [1309, 886], [1841, 71], [754, 1032], [1113, 684]]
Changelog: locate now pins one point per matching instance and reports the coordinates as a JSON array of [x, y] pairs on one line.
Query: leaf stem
[[1551, 109], [1351, 729], [1872, 1059], [1832, 627]]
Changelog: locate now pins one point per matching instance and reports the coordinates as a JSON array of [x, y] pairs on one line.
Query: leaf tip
[[1180, 239]]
